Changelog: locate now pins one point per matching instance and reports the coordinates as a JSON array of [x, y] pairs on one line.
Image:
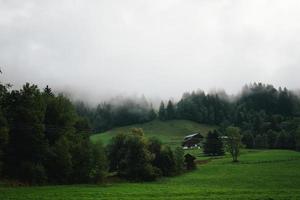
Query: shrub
[[135, 157], [99, 163], [167, 161], [130, 157], [179, 160]]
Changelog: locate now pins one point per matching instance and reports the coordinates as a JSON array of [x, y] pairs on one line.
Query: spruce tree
[[162, 111], [170, 111], [213, 145]]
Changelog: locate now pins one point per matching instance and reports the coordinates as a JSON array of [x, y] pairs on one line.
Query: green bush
[[135, 157], [179, 160], [99, 163]]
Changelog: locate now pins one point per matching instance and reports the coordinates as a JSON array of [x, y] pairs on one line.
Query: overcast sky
[[159, 48]]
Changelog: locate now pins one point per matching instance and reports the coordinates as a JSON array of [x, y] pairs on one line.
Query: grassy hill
[[271, 174], [169, 132]]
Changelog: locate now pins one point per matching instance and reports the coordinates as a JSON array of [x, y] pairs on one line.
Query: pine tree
[[152, 114], [28, 146], [213, 145], [162, 111], [170, 111]]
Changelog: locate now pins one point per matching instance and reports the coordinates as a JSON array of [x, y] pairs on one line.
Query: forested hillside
[[268, 117]]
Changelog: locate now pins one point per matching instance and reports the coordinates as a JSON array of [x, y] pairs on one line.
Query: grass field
[[169, 132], [260, 174], [270, 174]]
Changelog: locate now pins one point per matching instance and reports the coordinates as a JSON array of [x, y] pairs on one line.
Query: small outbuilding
[[189, 161]]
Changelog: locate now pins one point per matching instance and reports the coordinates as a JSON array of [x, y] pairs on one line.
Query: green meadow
[[169, 132], [260, 174], [264, 174]]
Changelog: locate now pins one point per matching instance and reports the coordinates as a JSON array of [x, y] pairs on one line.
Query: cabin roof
[[191, 135]]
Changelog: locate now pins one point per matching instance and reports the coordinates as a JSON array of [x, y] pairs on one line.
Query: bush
[[130, 157], [135, 157], [167, 161], [99, 163], [179, 160]]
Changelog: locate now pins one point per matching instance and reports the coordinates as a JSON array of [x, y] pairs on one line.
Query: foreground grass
[[272, 174], [169, 132]]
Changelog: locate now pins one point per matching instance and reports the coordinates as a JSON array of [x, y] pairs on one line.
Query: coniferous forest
[[268, 117]]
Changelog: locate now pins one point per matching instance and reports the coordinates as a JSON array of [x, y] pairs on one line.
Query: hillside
[[270, 174], [169, 132]]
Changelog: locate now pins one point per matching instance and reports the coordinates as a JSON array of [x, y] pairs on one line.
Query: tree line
[[108, 115]]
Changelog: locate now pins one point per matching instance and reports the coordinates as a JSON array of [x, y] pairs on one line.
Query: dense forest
[[268, 117], [42, 139]]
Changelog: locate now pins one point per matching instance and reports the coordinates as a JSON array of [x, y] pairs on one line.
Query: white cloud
[[156, 48]]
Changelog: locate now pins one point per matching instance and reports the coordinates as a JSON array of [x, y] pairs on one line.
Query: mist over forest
[[199, 97]]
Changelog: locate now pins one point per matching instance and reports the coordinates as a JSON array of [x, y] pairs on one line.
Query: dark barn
[[192, 140]]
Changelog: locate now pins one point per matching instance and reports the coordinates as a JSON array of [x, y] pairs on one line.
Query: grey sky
[[160, 48]]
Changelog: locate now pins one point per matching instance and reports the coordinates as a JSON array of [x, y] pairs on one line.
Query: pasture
[[260, 174], [169, 132]]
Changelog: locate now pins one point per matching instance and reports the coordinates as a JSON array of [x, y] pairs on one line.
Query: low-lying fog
[[96, 50]]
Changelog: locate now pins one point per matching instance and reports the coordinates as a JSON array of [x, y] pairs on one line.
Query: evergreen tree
[[213, 145], [152, 114], [3, 138], [170, 111], [28, 146], [162, 111]]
